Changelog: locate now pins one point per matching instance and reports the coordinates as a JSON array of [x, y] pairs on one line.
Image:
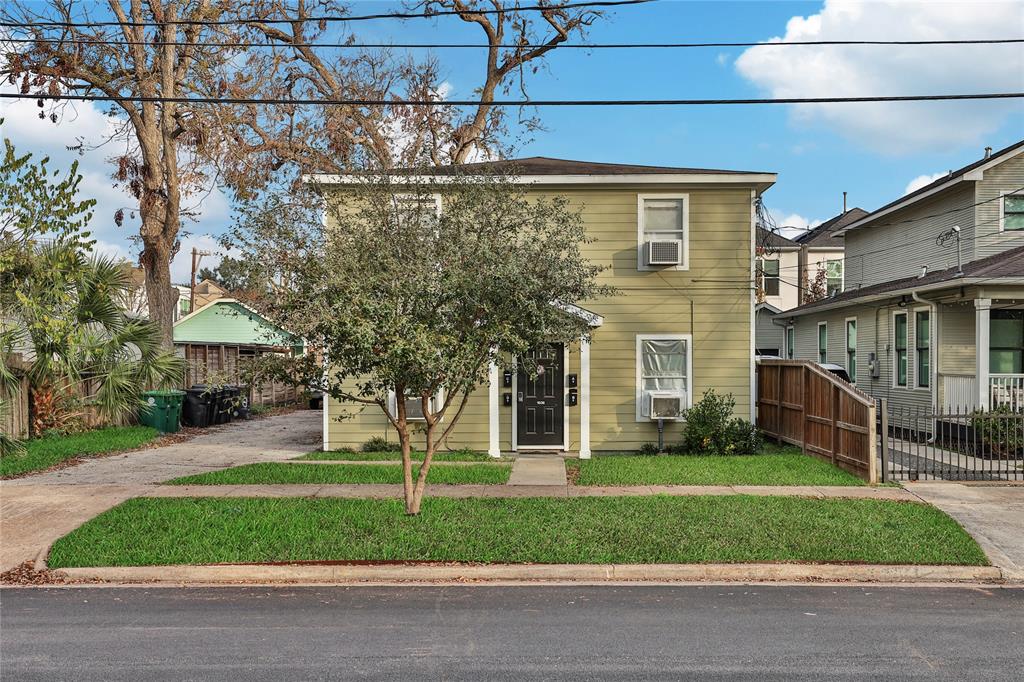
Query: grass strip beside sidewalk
[[659, 529], [43, 453], [281, 472], [775, 469]]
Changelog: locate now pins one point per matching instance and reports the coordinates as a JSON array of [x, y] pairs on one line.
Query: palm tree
[[64, 310]]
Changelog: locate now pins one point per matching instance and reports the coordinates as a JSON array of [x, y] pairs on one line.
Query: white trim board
[[762, 180]]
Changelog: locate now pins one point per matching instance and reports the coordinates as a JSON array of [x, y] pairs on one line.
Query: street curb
[[336, 573]]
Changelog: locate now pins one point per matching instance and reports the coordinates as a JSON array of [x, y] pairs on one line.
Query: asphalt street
[[521, 632]]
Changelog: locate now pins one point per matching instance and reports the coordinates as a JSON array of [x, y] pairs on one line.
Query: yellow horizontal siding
[[649, 302]]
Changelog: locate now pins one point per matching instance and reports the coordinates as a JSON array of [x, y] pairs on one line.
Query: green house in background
[[218, 339]]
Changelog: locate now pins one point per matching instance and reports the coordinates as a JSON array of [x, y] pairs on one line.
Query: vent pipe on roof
[[924, 272], [988, 152], [844, 202]]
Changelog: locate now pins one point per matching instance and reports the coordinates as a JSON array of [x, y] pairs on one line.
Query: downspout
[[933, 365]]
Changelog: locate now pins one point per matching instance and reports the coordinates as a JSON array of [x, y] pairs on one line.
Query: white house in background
[[785, 268], [932, 312]]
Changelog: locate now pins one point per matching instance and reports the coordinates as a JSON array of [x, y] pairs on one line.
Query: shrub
[[649, 449], [1001, 430], [743, 438], [711, 428], [380, 444]]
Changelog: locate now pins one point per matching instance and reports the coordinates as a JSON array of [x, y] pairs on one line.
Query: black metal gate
[[917, 444]]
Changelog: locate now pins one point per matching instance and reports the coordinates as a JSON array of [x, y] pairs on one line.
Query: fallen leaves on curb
[[26, 574]]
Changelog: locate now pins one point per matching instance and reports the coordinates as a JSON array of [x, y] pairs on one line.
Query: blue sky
[[872, 151]]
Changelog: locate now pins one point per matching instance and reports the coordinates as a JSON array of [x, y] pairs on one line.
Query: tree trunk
[[421, 480], [160, 295]]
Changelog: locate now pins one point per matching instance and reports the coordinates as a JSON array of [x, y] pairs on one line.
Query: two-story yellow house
[[678, 245]]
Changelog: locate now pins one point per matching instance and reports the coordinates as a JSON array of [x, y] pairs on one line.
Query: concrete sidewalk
[[537, 470], [37, 510], [993, 514]]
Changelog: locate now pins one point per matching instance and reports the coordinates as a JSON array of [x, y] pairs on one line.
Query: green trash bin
[[162, 410]]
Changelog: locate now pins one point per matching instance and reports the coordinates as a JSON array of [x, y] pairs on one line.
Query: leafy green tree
[[63, 308], [409, 303], [234, 275]]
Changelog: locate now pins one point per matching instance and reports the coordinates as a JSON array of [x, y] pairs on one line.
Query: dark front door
[[539, 397]]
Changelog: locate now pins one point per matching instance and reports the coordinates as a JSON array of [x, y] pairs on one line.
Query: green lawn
[[775, 469], [456, 456], [659, 529], [281, 472], [43, 453]]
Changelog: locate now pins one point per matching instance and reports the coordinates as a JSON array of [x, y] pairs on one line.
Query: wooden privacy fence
[[798, 402], [229, 360], [14, 415]]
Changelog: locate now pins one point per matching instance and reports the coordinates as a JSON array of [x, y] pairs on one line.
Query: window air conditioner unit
[[665, 252], [666, 405]]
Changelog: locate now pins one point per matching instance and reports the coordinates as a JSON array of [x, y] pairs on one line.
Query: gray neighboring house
[[912, 325]]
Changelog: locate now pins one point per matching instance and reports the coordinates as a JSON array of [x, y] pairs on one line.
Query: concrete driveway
[[36, 510], [993, 514]]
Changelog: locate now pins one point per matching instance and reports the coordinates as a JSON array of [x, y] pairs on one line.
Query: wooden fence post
[[835, 418], [872, 445], [805, 391]]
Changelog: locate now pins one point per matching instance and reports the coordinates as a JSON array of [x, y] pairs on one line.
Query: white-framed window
[[663, 218], [414, 405], [1011, 214], [833, 277], [411, 205], [900, 335], [664, 366], [823, 342], [768, 276], [790, 342], [922, 347], [851, 348]]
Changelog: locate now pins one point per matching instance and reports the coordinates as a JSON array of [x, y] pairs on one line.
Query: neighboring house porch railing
[[959, 392]]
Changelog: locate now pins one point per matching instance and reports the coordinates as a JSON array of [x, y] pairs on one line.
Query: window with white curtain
[[663, 366]]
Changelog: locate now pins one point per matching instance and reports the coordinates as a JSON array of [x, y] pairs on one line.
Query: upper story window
[[1013, 212], [768, 276], [663, 231], [417, 207], [833, 277]]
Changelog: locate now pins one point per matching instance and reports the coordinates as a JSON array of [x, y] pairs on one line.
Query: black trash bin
[[198, 407], [225, 404], [240, 403]]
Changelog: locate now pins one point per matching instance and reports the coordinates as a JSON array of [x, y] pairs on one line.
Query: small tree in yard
[[409, 300]]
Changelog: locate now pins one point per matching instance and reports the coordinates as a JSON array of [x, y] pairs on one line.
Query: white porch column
[[982, 306], [494, 441], [584, 398]]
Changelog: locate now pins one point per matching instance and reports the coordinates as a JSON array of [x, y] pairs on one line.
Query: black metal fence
[[965, 445]]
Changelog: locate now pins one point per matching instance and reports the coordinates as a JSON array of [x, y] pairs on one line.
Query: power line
[[511, 46], [324, 18], [519, 102]]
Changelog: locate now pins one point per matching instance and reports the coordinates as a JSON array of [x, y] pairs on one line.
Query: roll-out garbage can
[[240, 403], [225, 404], [199, 406], [162, 410]]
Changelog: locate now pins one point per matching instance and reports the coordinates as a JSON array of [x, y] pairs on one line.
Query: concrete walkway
[[538, 470], [36, 510], [993, 514], [394, 491]]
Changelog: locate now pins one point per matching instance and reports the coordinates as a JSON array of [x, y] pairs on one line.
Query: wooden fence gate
[[798, 402]]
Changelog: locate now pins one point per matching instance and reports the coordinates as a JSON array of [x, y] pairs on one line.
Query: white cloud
[[794, 224], [922, 180], [845, 71]]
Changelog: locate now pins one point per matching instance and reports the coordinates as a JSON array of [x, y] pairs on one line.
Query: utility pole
[[197, 256]]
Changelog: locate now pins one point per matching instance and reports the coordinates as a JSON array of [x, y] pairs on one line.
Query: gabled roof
[[231, 327], [546, 165], [547, 170], [824, 235], [954, 177], [774, 240], [1008, 265]]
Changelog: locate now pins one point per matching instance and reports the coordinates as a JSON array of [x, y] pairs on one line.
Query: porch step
[[529, 469]]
